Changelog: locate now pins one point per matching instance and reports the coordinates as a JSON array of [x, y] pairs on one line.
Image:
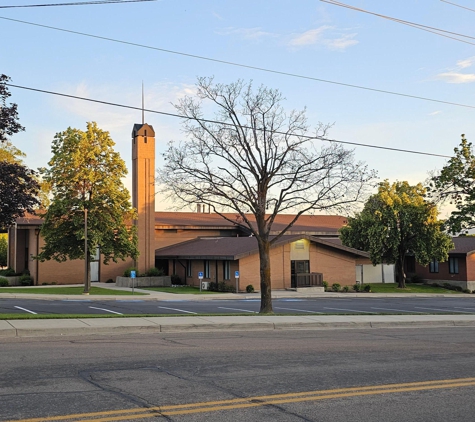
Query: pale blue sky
[[309, 38]]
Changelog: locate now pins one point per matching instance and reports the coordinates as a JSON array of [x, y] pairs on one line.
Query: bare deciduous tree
[[256, 159]]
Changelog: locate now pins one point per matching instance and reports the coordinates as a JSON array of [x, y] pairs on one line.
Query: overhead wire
[[77, 3], [163, 113], [431, 29], [458, 5], [230, 63]]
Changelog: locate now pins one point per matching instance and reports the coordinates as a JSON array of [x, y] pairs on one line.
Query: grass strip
[[410, 288], [180, 290], [68, 291]]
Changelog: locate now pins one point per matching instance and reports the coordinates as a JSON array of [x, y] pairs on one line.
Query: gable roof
[[463, 245], [234, 248]]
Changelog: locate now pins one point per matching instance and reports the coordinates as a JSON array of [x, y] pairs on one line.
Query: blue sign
[[200, 275], [132, 274], [236, 274]]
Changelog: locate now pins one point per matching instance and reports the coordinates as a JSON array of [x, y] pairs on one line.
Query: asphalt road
[[452, 305], [390, 375]]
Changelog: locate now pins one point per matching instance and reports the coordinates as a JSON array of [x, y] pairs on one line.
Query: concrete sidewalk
[[157, 296], [115, 326]]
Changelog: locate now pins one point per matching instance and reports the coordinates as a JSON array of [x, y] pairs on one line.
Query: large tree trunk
[[400, 274], [266, 291]]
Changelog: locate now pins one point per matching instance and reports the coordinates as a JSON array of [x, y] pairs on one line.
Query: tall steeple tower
[[143, 192]]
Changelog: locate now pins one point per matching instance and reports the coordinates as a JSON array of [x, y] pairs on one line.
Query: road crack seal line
[[275, 399]]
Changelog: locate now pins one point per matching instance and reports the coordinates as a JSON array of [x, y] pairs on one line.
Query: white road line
[[26, 310], [106, 310], [460, 307], [443, 310], [350, 310], [178, 310], [299, 310], [234, 309], [400, 310]]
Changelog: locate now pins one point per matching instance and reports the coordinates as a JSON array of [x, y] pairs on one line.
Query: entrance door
[[298, 267]]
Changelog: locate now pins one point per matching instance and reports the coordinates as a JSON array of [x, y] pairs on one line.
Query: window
[[226, 270], [434, 266], [453, 265], [206, 269], [188, 268]]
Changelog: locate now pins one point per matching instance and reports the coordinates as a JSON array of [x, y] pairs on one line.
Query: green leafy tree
[[394, 222], [3, 249], [9, 124], [256, 161], [10, 153], [455, 184], [85, 177]]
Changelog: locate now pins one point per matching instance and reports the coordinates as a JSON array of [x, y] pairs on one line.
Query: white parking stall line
[[26, 310], [178, 310], [106, 310], [400, 310], [235, 309], [443, 310], [300, 310], [350, 310]]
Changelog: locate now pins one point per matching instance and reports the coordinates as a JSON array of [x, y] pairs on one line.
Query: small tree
[[8, 112], [19, 189], [85, 177], [456, 184], [256, 158], [396, 221], [3, 249]]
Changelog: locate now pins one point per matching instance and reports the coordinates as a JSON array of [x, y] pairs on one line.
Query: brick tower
[[143, 193]]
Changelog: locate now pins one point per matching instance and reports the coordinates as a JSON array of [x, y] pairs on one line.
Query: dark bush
[[154, 272], [128, 270], [250, 288], [8, 272], [336, 287], [221, 287], [356, 287], [26, 280], [109, 280], [175, 279], [467, 291], [416, 279], [325, 285], [3, 282], [367, 288], [346, 289]]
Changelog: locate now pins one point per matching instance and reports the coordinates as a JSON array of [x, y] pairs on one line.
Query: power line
[[163, 113], [261, 69], [458, 5], [77, 3], [431, 29]]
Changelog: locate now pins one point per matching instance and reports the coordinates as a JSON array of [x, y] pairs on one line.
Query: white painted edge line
[[240, 310], [460, 307], [399, 310], [106, 310], [443, 310], [178, 310], [26, 310], [350, 310], [299, 310]]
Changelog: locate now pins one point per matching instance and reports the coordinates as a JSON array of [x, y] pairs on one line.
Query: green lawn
[[179, 290], [410, 288], [60, 290]]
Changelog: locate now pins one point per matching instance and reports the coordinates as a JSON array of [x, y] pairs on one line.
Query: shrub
[[416, 279], [346, 289], [53, 283], [221, 287], [3, 282], [26, 280], [154, 272], [356, 287], [367, 288], [44, 283], [458, 288], [336, 287], [7, 272], [447, 285], [250, 288], [325, 285], [128, 270], [175, 279], [467, 291], [109, 280], [435, 285]]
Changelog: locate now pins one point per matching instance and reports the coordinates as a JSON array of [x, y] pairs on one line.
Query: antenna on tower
[[143, 118]]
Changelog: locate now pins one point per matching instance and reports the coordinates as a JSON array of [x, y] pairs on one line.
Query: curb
[[33, 329]]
